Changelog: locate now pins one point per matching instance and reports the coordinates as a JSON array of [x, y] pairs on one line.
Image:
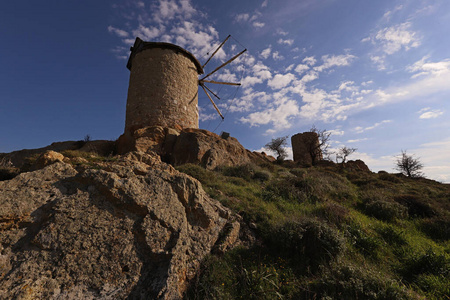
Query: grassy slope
[[327, 233]]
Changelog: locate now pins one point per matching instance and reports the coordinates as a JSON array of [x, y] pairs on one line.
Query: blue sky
[[374, 73]]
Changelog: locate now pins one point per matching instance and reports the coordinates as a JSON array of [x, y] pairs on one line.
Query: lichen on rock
[[134, 228]]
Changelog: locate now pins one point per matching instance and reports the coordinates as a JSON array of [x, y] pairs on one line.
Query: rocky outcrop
[[189, 146], [357, 165], [134, 228], [19, 158]]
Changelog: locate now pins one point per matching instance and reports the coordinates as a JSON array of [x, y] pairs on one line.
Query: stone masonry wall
[[302, 143], [163, 91]]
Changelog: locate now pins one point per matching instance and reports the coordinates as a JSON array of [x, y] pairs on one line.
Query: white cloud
[[310, 60], [301, 68], [288, 42], [250, 81], [264, 4], [430, 114], [281, 32], [242, 17], [435, 157], [119, 32], [421, 87], [147, 33], [379, 60], [361, 129], [277, 56], [258, 24], [387, 16], [336, 132], [424, 68], [280, 81], [278, 116], [357, 140], [330, 61], [396, 37], [266, 52], [167, 10]]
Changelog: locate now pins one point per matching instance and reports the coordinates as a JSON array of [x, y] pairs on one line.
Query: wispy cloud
[[330, 61], [119, 32], [288, 42], [394, 38], [363, 129], [257, 24], [428, 113]]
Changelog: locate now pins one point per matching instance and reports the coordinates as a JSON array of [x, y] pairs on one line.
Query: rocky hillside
[[193, 215]]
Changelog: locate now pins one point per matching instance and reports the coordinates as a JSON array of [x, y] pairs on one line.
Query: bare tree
[[277, 145], [343, 153], [320, 149], [408, 165]]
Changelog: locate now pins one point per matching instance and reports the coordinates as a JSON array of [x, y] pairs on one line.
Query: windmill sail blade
[[220, 82], [211, 91], [215, 106], [224, 64], [220, 46]]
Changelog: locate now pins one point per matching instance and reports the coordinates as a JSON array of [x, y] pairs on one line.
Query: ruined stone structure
[[305, 147], [163, 88]]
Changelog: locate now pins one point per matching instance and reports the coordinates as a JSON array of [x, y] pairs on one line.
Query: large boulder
[[134, 228], [207, 149], [190, 145]]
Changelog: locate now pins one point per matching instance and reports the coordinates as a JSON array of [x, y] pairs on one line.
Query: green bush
[[437, 228], [333, 213], [417, 206], [429, 263], [384, 210], [198, 172], [308, 244], [392, 236], [389, 177], [289, 189], [361, 240], [348, 282]]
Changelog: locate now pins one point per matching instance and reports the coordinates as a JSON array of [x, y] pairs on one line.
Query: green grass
[[326, 233]]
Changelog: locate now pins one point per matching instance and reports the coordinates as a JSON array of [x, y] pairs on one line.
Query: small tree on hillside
[[277, 145], [317, 150], [408, 165], [343, 153]]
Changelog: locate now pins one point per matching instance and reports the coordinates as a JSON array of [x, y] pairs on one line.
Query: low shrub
[[198, 172], [417, 206], [384, 210], [247, 172], [308, 244], [392, 236], [388, 177], [333, 213], [349, 282], [437, 228], [429, 263], [362, 241]]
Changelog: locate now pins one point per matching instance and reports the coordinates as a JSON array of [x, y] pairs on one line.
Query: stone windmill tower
[[163, 87]]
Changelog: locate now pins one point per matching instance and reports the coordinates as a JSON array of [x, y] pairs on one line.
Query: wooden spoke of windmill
[[203, 80]]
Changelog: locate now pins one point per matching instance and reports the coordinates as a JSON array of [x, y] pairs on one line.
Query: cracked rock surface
[[134, 228]]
